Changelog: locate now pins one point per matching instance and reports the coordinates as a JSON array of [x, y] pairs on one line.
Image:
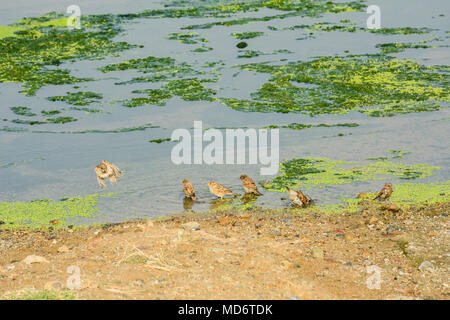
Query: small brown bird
[[188, 189], [385, 192], [249, 185], [218, 190], [107, 170], [298, 197]]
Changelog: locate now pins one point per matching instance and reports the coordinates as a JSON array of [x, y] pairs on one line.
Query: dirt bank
[[238, 255]]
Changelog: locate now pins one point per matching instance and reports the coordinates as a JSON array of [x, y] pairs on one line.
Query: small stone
[[373, 220], [390, 207], [275, 232], [317, 253], [63, 249], [34, 259], [138, 283], [361, 195], [348, 237], [192, 226], [426, 265], [8, 268]]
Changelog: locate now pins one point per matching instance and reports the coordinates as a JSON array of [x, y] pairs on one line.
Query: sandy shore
[[237, 255]]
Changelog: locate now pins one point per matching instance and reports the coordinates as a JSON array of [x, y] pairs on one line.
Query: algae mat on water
[[405, 195], [372, 84], [39, 213], [322, 172]]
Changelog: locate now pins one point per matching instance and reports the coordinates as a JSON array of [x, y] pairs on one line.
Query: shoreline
[[247, 254]]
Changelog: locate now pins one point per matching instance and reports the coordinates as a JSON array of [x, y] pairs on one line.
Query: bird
[[188, 189], [385, 192], [249, 185], [298, 197], [107, 170], [219, 190]]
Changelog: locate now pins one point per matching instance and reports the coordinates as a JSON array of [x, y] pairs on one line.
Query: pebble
[[192, 226], [426, 265], [317, 253], [275, 232], [34, 259], [63, 249], [8, 268], [362, 195], [390, 207]]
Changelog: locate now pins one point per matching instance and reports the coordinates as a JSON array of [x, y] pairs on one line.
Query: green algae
[[61, 120], [322, 172], [23, 111], [87, 110], [202, 49], [405, 195], [247, 35], [301, 126], [398, 154], [39, 213], [78, 98], [250, 54], [50, 112], [190, 89], [403, 31], [345, 27], [372, 84], [187, 37], [303, 8], [30, 56], [28, 122], [392, 47], [120, 130], [160, 140]]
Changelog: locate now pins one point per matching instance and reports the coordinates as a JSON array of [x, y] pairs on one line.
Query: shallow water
[[58, 165]]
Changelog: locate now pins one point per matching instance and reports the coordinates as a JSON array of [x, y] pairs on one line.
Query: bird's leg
[[101, 182]]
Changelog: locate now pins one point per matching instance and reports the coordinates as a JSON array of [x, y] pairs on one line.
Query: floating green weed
[[247, 35], [23, 111], [187, 38], [61, 120], [375, 85], [393, 47], [308, 8], [321, 172], [36, 214], [405, 195], [160, 140], [50, 112], [30, 55], [120, 130], [190, 89], [78, 98], [301, 126], [399, 153]]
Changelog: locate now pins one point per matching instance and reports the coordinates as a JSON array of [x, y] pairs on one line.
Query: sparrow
[[107, 170], [249, 185], [218, 190], [385, 192], [298, 197], [188, 189]]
